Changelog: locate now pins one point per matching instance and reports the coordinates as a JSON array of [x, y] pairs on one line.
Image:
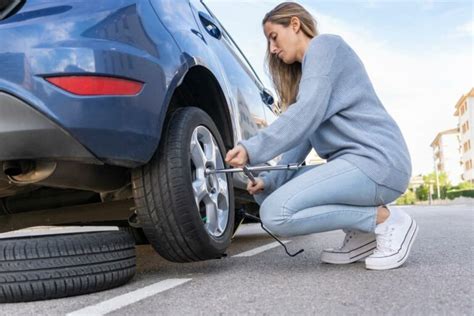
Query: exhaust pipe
[[15, 168], [11, 168], [28, 171], [67, 175]]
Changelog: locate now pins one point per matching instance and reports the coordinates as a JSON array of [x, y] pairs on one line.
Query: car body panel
[[116, 129], [151, 41], [241, 88]]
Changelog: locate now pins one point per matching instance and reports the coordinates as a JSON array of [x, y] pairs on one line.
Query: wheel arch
[[196, 85], [201, 89]]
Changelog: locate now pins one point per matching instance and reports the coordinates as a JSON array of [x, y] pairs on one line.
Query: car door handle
[[209, 25], [267, 97]]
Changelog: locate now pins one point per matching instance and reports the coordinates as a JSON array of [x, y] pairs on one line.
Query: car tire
[[53, 266], [185, 215]]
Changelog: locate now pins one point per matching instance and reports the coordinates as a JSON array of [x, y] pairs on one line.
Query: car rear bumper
[[27, 134]]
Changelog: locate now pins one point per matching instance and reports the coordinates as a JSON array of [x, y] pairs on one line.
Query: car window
[[234, 45]]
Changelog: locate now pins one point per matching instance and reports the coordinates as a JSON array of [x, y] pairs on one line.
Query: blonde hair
[[286, 77]]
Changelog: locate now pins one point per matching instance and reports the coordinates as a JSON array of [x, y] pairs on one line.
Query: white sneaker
[[357, 245], [394, 237]]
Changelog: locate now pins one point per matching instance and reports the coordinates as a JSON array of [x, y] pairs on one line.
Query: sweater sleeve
[[298, 122], [303, 117], [274, 179]]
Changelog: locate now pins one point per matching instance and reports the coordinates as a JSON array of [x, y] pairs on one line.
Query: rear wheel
[[186, 215]]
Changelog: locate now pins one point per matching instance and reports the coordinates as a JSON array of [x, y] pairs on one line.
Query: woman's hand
[[257, 187], [237, 157]]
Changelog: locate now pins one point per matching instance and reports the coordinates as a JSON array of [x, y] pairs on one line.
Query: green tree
[[442, 177], [407, 198], [444, 185], [464, 186], [422, 192]]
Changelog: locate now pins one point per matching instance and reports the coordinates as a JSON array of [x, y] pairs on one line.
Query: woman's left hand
[[237, 157]]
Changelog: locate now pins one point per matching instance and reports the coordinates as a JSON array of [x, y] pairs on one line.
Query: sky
[[418, 54]]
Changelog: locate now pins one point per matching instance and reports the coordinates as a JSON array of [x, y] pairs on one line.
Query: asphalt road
[[436, 279]]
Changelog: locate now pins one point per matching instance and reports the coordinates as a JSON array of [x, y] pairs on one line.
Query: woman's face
[[282, 41]]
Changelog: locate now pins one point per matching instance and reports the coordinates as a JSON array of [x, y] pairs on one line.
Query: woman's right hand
[[257, 187]]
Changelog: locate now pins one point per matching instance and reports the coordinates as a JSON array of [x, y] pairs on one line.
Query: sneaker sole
[[348, 257], [405, 256]]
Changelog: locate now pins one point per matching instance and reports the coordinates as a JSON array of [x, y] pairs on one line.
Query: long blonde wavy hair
[[286, 77]]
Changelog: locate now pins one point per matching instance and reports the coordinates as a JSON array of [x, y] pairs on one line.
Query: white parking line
[[127, 299], [260, 249]]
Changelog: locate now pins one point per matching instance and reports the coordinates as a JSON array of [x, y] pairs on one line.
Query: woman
[[330, 105]]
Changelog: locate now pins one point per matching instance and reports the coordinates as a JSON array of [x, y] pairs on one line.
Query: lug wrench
[[247, 170]]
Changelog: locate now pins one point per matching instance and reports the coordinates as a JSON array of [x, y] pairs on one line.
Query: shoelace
[[348, 237], [384, 241]]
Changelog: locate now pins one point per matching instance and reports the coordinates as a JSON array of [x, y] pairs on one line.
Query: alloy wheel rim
[[211, 192]]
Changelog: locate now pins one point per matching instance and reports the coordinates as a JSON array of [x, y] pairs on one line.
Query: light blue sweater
[[338, 113]]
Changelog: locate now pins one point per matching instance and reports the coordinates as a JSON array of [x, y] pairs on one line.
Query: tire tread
[[46, 267]]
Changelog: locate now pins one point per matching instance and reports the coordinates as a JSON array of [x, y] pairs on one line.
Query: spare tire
[[53, 266], [185, 214]]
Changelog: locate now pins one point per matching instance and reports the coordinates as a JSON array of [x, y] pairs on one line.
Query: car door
[[253, 100], [245, 87]]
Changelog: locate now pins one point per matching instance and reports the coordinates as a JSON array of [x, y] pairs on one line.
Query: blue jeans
[[319, 198]]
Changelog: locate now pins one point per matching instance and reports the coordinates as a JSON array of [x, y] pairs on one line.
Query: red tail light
[[94, 85]]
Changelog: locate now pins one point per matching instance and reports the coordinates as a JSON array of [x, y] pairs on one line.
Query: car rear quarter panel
[[120, 38]]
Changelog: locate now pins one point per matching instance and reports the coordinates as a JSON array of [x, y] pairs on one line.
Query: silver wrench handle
[[293, 166], [249, 174]]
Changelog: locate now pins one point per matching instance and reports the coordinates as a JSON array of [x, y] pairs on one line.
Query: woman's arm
[[299, 122], [303, 117]]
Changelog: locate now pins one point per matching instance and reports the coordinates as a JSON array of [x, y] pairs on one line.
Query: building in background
[[465, 113], [446, 155]]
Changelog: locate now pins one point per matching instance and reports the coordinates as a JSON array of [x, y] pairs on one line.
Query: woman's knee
[[272, 217], [386, 195]]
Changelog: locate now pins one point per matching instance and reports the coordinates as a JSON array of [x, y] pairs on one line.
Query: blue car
[[110, 111]]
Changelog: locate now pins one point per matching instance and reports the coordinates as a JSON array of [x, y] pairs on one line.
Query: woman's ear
[[295, 24]]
